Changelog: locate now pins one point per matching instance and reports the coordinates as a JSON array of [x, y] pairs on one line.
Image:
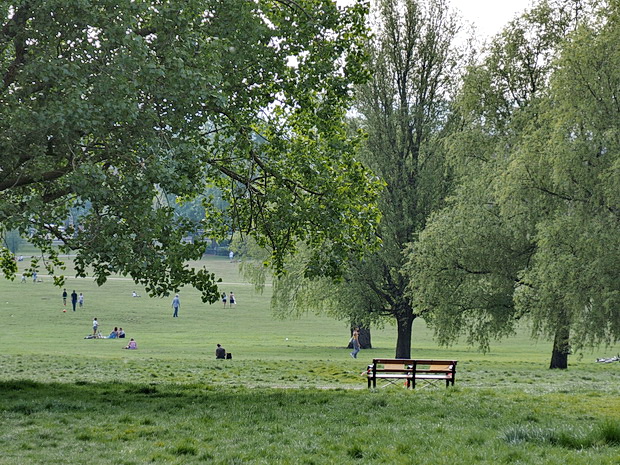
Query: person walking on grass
[[74, 299], [64, 297], [95, 326], [81, 300], [355, 341], [232, 300], [176, 303], [224, 298]]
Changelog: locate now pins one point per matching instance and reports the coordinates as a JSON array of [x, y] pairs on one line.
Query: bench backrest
[[424, 365], [393, 367], [435, 366], [392, 364]]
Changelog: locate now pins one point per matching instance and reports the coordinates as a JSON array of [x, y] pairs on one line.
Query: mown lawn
[[291, 394]]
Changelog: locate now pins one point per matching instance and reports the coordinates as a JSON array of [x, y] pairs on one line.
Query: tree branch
[[26, 180]]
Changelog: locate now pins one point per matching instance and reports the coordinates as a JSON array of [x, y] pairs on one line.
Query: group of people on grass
[[176, 302], [220, 352], [117, 333], [75, 299], [230, 298], [35, 277]]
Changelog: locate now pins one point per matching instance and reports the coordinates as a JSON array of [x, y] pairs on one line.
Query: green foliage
[[529, 231], [571, 277], [404, 110], [12, 241], [7, 261], [113, 108]]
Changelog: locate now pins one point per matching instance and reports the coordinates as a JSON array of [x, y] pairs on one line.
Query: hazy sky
[[490, 16]]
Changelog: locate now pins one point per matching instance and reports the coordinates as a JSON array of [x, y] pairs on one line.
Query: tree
[[571, 290], [403, 109], [119, 104], [12, 241], [474, 264]]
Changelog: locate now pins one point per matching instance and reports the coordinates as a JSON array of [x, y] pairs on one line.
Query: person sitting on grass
[[220, 352], [114, 333], [121, 333], [132, 344]]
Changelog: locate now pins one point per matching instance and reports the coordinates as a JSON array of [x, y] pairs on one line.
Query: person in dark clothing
[[220, 352], [74, 299]]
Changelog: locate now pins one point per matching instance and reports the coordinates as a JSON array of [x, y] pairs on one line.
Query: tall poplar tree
[[405, 110]]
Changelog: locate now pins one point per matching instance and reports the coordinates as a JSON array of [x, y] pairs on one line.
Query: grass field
[[291, 394]]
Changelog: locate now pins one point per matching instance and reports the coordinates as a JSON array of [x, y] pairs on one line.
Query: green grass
[[66, 399]]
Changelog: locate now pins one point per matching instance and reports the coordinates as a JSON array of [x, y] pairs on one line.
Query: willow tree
[[569, 168], [473, 264], [117, 106]]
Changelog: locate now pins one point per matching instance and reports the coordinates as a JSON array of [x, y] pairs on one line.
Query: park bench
[[411, 370]]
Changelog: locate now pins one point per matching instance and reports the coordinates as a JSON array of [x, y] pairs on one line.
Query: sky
[[490, 16]]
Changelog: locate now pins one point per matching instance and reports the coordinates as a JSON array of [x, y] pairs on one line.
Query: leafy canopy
[[109, 108], [532, 229]]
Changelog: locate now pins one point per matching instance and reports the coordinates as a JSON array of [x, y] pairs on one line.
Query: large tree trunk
[[364, 337], [403, 341], [561, 348]]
